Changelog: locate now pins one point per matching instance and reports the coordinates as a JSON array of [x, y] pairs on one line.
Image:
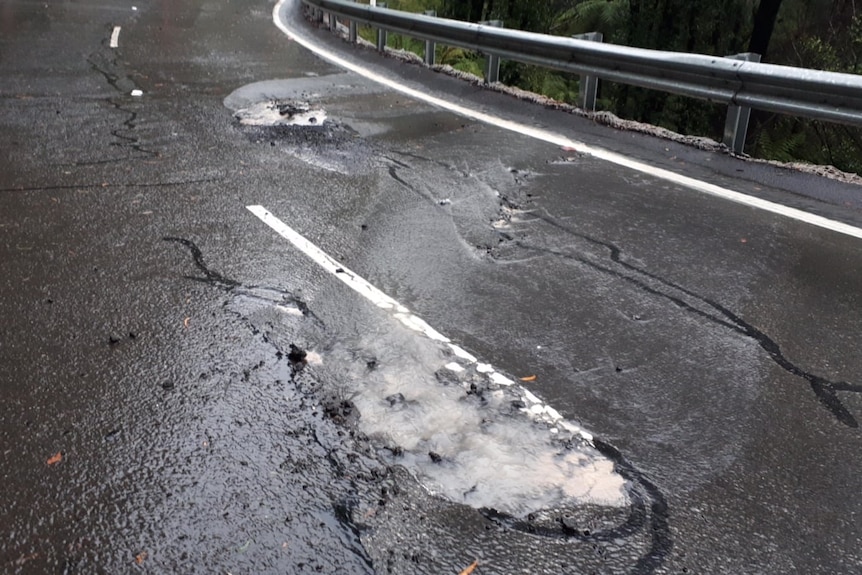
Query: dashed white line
[[115, 37], [536, 408], [563, 141], [355, 282]]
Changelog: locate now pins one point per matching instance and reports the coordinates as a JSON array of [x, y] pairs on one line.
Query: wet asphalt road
[[157, 413]]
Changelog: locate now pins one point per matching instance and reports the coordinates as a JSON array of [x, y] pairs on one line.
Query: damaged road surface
[[263, 315]]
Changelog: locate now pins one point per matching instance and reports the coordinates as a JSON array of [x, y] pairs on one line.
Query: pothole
[[281, 113]]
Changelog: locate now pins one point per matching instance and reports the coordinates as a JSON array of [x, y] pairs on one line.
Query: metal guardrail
[[820, 95]]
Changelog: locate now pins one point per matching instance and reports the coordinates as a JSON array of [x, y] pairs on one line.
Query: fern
[[780, 143], [606, 16]]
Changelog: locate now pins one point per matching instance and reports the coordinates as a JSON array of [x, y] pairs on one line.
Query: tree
[[764, 24], [817, 34], [469, 10]]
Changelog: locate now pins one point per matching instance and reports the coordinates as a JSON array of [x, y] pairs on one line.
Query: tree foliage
[[818, 34]]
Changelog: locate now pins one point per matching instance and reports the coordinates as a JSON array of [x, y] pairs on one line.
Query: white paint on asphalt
[[462, 353], [115, 37], [399, 312], [352, 280], [511, 465], [501, 379], [563, 141]]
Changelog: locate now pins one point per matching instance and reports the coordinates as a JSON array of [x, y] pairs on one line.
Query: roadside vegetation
[[818, 34]]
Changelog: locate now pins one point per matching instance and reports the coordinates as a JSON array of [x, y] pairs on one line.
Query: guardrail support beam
[[492, 62], [352, 30], [736, 125], [588, 86], [430, 46], [381, 33]]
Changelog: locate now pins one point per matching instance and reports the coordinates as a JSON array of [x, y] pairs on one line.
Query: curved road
[[399, 340]]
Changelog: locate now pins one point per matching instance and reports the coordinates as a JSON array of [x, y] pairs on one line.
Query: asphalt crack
[[824, 389], [211, 277], [125, 133], [648, 509], [296, 358], [647, 515]]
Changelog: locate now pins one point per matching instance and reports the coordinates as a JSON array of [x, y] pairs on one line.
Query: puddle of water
[[463, 436], [279, 113], [309, 89], [290, 112], [465, 431], [438, 413]]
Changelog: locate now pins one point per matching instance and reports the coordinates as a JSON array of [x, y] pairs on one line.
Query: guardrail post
[[352, 30], [736, 125], [588, 86], [430, 46], [381, 33], [492, 63]]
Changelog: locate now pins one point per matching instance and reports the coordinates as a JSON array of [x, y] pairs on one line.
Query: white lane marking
[[115, 37], [351, 279], [462, 353], [361, 286], [563, 141], [500, 379]]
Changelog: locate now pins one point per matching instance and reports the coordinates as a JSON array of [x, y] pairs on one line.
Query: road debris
[[296, 354]]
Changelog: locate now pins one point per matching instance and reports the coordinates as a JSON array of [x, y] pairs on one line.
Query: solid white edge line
[[563, 141], [538, 410], [115, 37]]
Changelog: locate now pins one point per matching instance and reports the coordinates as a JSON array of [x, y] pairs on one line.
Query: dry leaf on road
[[470, 569]]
